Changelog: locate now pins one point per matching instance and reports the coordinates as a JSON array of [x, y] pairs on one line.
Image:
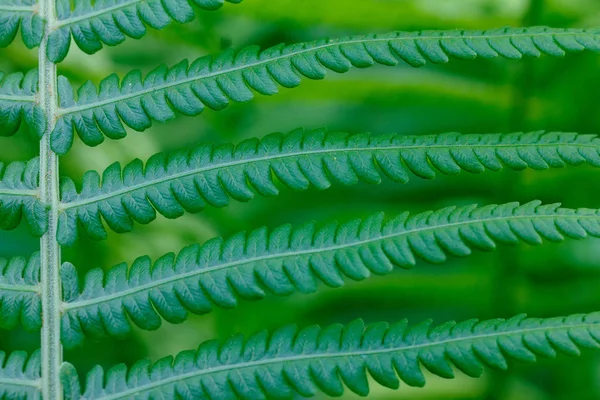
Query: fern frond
[[313, 360], [23, 13], [19, 198], [289, 260], [207, 175], [20, 298], [19, 293], [20, 375], [18, 102], [109, 22], [214, 81]]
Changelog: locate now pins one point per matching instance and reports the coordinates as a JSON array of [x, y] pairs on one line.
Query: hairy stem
[[49, 247]]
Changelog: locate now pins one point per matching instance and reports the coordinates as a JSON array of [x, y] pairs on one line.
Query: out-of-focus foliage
[[469, 97]]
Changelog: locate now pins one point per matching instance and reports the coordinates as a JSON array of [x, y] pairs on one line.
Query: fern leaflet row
[[20, 299], [19, 198], [20, 375], [20, 13], [234, 76], [312, 360], [18, 103], [93, 24], [190, 180], [294, 260]]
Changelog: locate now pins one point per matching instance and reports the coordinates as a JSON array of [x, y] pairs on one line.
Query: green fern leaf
[[289, 260], [313, 360], [20, 376], [18, 102], [19, 293], [214, 81], [19, 197], [109, 22], [23, 13], [207, 175]]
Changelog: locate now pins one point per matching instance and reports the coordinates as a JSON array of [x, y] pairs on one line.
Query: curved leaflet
[[24, 14], [289, 260], [18, 103], [20, 298], [20, 375], [19, 198], [207, 175], [312, 360], [109, 22], [214, 81]]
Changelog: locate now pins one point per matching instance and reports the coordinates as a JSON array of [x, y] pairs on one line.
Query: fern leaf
[[23, 13], [233, 76], [18, 102], [20, 375], [312, 360], [19, 197], [289, 260], [19, 293], [109, 22], [207, 175]]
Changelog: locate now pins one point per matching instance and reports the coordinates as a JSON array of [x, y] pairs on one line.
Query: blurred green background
[[464, 96]]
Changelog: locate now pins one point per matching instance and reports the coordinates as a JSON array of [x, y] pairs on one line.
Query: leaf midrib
[[77, 109], [19, 288], [23, 9], [37, 384], [17, 98], [348, 354], [94, 14], [69, 306], [19, 192], [103, 197]]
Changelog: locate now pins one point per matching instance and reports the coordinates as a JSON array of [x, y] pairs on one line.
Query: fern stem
[[49, 193]]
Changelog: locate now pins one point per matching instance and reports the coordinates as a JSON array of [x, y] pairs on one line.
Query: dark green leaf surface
[[289, 260], [19, 292], [207, 175], [19, 197], [109, 22], [18, 103], [312, 360], [20, 376], [234, 76], [24, 14]]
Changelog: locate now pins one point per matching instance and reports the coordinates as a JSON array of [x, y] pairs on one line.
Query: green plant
[[43, 293]]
